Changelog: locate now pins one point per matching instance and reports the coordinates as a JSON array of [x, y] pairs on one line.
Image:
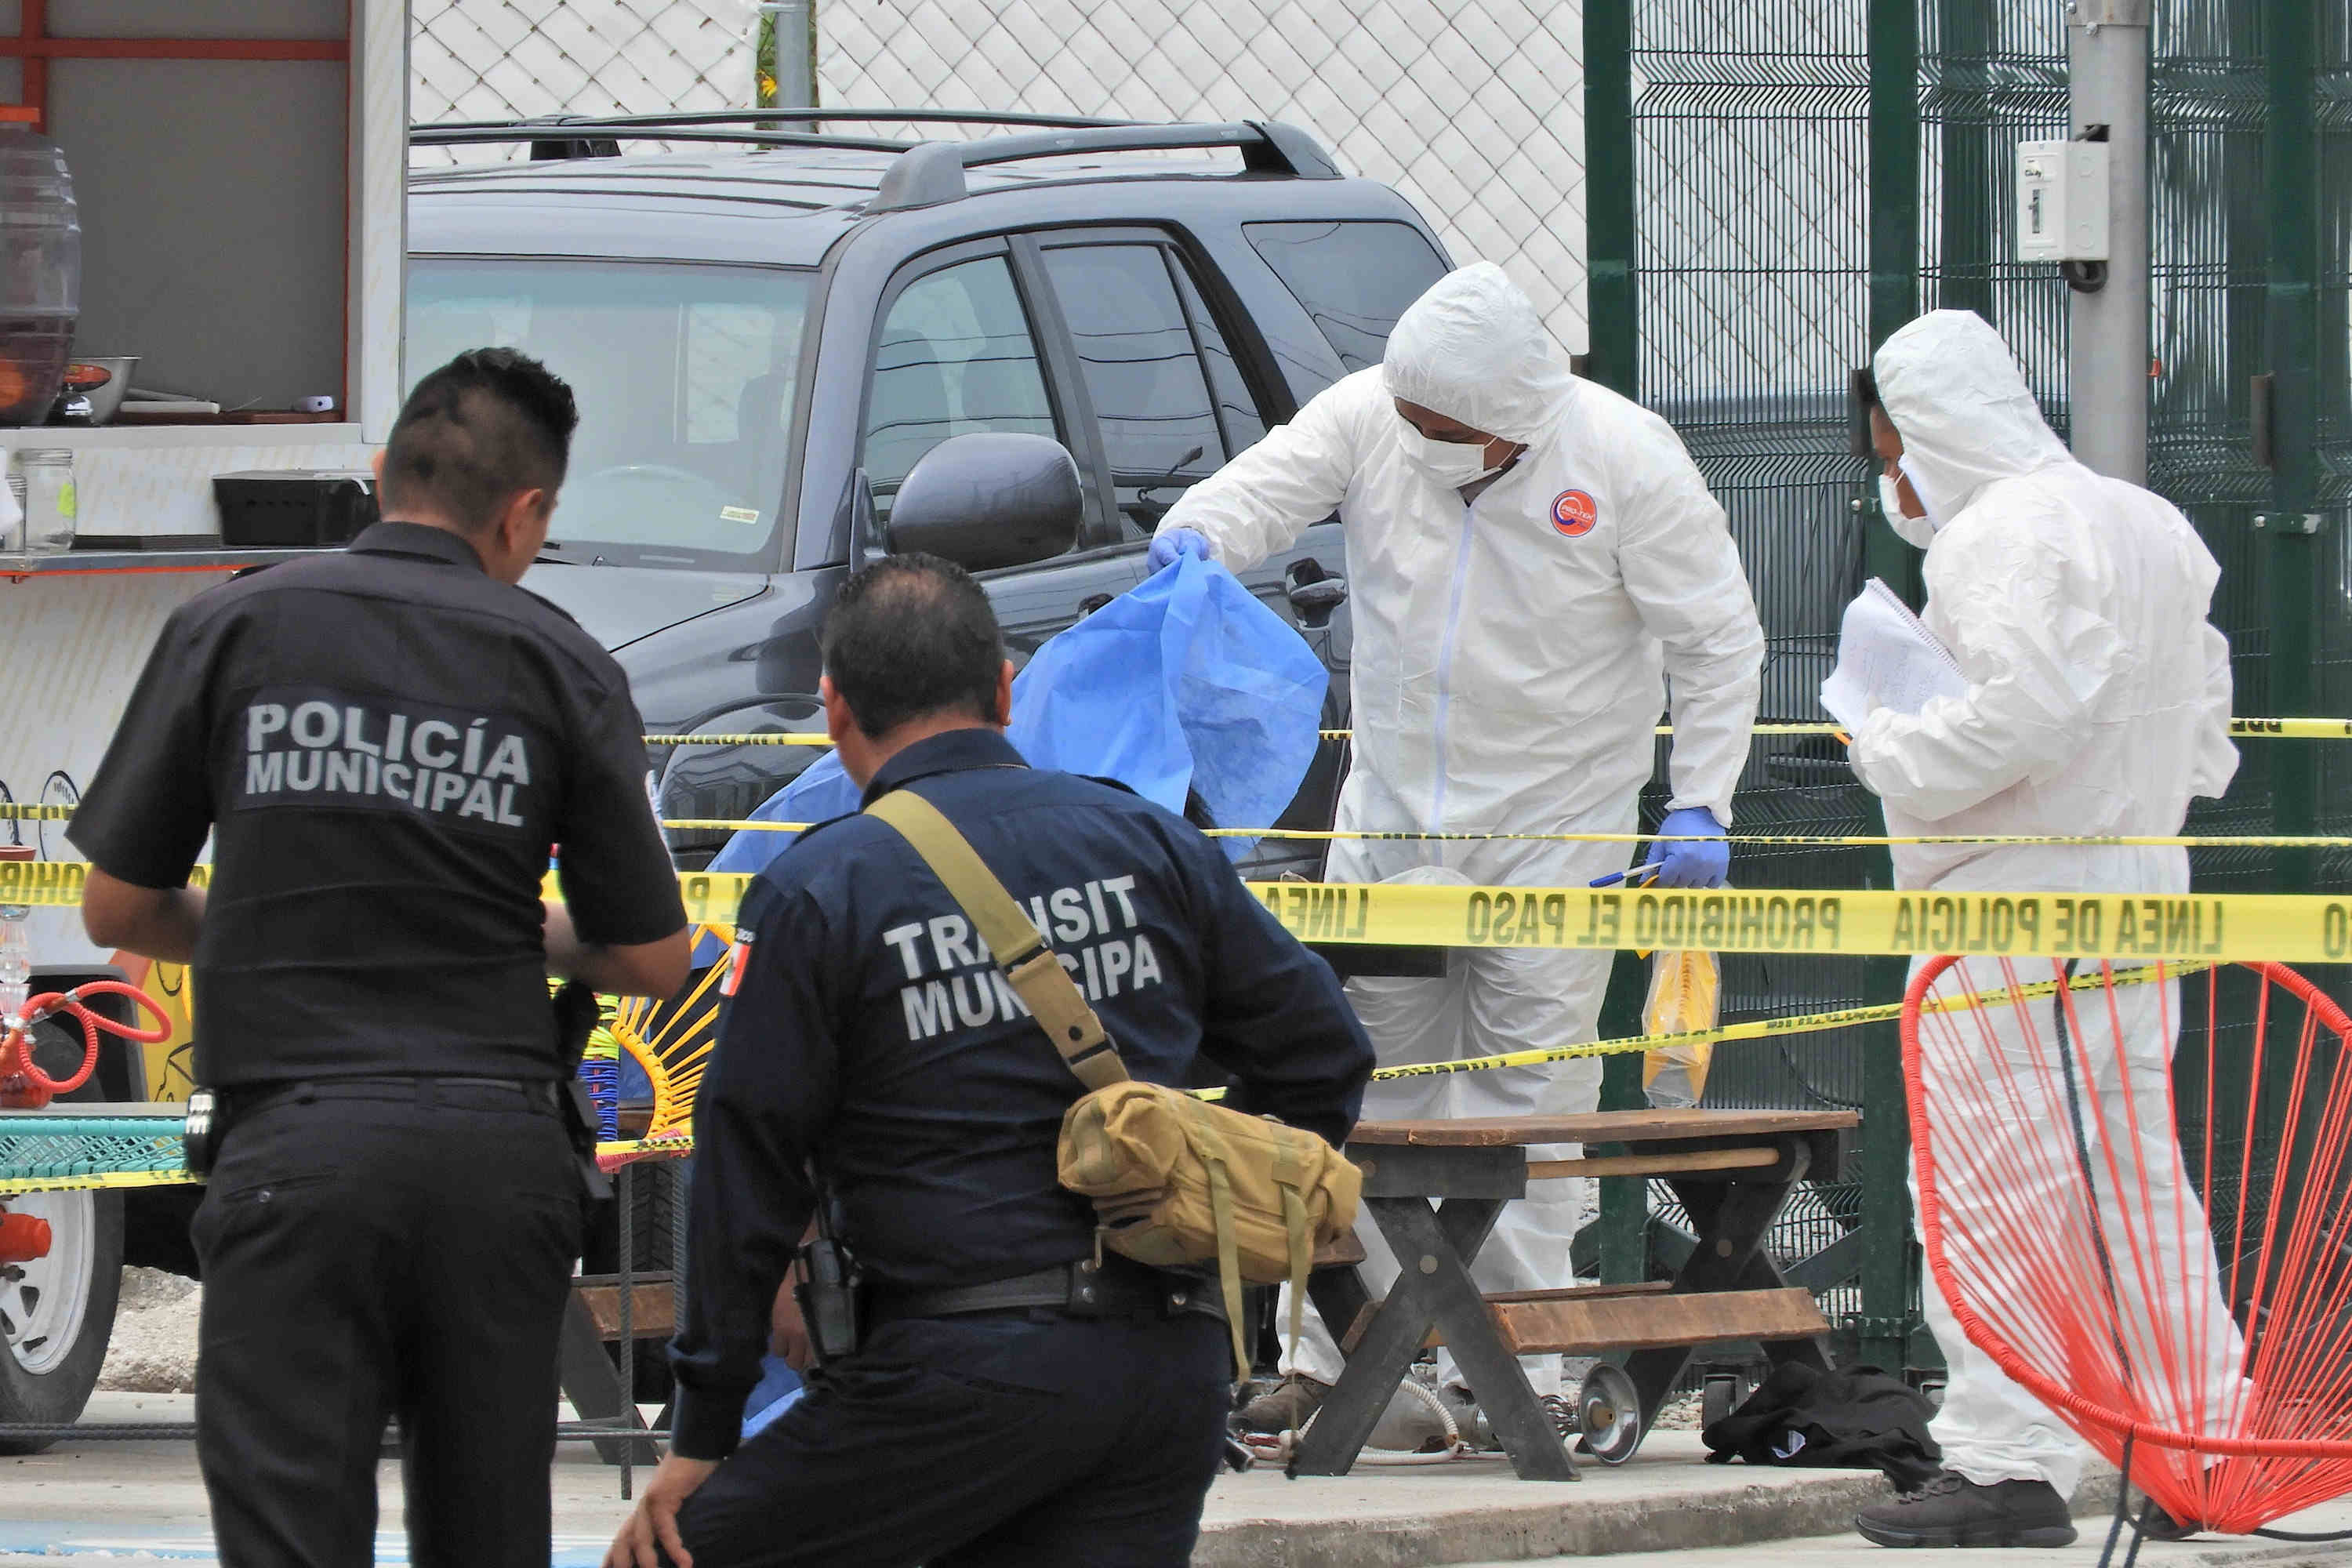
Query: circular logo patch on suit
[[1573, 514]]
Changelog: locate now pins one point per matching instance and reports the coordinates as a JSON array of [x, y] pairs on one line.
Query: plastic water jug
[[40, 274]]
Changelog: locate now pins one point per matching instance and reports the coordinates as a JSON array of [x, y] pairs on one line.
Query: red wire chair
[[2182, 1301]]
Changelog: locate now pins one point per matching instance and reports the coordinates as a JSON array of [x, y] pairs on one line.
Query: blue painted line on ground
[[81, 1537]]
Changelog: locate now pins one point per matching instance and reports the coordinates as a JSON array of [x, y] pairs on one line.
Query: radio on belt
[[2062, 200]]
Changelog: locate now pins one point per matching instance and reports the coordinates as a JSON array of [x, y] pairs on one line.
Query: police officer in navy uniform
[[869, 1045], [384, 743]]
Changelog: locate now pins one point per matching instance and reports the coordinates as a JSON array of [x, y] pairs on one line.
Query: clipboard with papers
[[1888, 658]]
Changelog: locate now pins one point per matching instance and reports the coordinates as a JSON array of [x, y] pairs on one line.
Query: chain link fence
[[1474, 108], [506, 59]]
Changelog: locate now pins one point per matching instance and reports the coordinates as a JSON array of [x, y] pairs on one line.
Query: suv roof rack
[[600, 135], [926, 173], [931, 172]]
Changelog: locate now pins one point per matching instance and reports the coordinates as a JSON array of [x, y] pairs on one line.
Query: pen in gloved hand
[[1646, 872]]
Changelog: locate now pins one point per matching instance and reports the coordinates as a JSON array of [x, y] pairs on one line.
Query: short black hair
[[911, 637], [490, 423]]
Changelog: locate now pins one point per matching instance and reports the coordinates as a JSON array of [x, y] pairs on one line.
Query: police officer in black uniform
[[383, 744], [982, 1420]]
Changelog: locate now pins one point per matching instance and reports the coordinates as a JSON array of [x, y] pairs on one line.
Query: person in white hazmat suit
[[2097, 704], [1535, 565]]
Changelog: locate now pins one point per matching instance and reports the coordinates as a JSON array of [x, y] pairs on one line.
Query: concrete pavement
[[1848, 1550], [145, 1499]]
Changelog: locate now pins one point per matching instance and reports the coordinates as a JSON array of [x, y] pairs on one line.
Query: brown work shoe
[[1284, 1408], [1952, 1511]]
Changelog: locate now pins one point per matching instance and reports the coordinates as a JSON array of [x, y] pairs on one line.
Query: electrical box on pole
[[2062, 200]]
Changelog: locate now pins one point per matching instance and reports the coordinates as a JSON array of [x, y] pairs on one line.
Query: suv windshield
[[684, 375]]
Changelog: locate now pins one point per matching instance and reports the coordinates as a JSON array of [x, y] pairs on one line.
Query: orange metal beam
[[33, 18], [37, 51]]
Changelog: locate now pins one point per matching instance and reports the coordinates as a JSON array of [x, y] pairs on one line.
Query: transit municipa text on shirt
[[385, 744], [868, 1032]]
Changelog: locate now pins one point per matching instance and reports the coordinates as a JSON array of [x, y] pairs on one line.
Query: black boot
[[1952, 1511]]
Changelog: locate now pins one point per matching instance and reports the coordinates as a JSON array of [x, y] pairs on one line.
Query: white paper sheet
[[1886, 658]]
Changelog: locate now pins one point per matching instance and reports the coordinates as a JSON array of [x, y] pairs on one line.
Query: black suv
[[766, 337]]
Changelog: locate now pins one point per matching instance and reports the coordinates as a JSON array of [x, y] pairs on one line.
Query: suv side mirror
[[990, 499]]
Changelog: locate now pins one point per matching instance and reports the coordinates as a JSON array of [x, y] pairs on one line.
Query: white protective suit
[[2098, 704], [1512, 657]]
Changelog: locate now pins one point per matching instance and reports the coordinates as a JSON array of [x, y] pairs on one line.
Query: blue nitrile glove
[[1166, 547], [1691, 865]]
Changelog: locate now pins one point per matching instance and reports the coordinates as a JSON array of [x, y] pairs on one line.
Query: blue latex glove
[[1690, 865], [1166, 547]]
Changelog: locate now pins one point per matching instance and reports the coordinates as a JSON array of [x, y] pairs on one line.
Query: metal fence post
[[2291, 330], [1609, 223], [1612, 360], [2107, 376], [1966, 142], [1887, 1273], [786, 54]]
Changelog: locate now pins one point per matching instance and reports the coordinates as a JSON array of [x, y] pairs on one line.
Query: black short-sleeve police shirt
[[385, 745]]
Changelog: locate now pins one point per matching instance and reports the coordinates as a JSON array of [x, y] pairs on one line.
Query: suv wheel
[[57, 1311]]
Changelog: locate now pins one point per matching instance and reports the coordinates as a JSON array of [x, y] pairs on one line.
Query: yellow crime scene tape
[[2285, 927], [672, 1146], [1809, 840], [2282, 729], [1768, 840]]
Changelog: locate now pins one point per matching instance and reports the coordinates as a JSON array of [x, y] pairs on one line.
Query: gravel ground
[[153, 1348], [1679, 1414]]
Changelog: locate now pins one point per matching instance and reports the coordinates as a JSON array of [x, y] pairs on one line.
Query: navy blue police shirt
[[383, 744], [868, 1032]]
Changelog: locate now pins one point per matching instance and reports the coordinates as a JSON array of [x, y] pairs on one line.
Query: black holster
[[828, 1290], [576, 1015], [200, 1135]]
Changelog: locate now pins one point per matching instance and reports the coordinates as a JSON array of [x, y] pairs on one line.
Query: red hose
[[23, 1086]]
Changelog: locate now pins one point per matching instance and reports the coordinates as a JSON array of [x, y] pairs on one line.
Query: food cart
[[237, 174]]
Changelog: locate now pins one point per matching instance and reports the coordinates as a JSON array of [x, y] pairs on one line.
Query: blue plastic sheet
[[1184, 682]]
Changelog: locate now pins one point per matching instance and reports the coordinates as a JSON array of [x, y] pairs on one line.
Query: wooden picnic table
[[1435, 1190]]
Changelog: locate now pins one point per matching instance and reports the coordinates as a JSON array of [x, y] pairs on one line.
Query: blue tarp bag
[[1184, 682]]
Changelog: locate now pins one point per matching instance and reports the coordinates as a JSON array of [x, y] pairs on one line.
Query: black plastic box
[[293, 507]]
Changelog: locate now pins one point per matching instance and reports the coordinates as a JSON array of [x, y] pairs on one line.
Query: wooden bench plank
[[1599, 1127], [1696, 1162], [1349, 1341], [652, 1315], [1342, 1251], [1586, 1326]]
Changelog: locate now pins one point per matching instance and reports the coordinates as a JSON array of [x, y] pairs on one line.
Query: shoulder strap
[[1032, 968]]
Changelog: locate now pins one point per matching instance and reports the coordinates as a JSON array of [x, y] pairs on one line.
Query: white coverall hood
[[2098, 703], [1474, 348], [1963, 410]]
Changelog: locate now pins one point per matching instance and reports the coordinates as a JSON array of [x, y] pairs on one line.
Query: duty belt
[[1084, 1289], [427, 1089]]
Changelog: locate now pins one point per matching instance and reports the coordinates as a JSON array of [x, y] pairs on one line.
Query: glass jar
[[47, 499], [12, 507]]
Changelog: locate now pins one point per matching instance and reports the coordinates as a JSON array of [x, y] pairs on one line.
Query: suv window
[[956, 356], [1354, 277], [1141, 347], [1237, 410], [684, 375]]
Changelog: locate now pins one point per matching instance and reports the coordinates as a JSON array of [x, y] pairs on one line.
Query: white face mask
[[1910, 529], [1934, 521], [1451, 463]]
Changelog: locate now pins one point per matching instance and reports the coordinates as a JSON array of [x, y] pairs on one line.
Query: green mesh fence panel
[[1753, 190]]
